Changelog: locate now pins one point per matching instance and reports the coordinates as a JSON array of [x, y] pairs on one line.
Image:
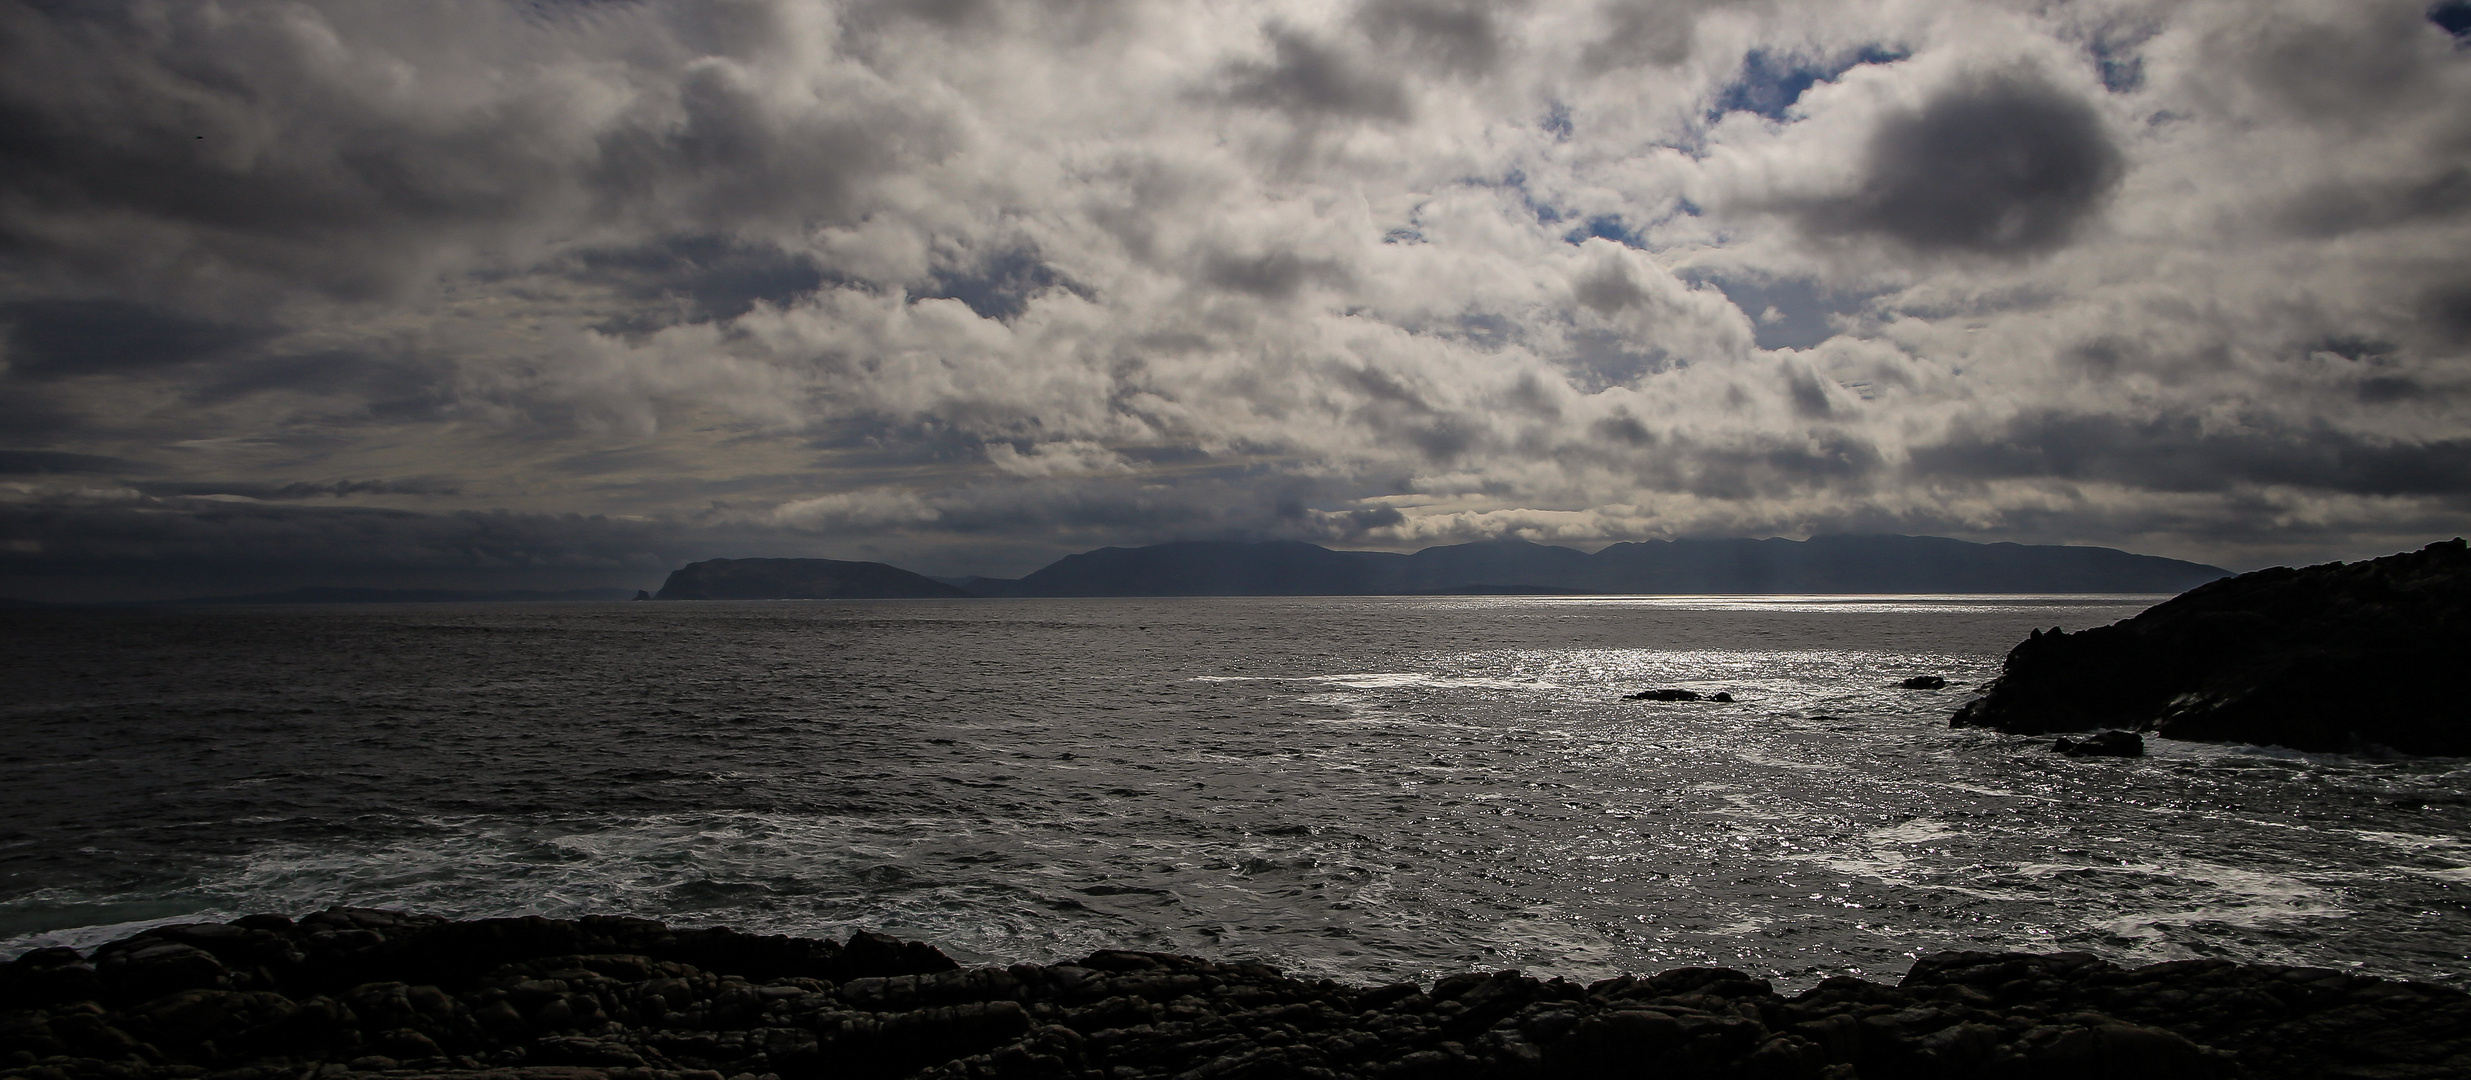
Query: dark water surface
[[1357, 788]]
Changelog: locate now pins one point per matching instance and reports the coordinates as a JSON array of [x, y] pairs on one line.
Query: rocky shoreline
[[2343, 657], [365, 993]]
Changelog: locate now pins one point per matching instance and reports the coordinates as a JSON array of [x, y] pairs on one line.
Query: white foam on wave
[[2240, 897]]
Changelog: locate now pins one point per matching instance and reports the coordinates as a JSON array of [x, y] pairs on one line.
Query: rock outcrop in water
[[799, 579], [357, 993], [2112, 743], [2343, 656]]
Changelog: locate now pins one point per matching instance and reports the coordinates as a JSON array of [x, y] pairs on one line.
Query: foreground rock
[[350, 992], [2332, 658]]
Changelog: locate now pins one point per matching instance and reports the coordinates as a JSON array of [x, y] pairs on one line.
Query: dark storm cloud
[[1624, 428], [703, 277], [57, 463], [1270, 275], [737, 161], [51, 339], [297, 490], [1608, 289], [1636, 32], [2388, 389], [2341, 63], [2178, 453], [1992, 165], [1308, 79], [1767, 466], [1760, 468], [2334, 209], [2447, 309], [1808, 394], [1458, 38], [144, 152], [111, 119]]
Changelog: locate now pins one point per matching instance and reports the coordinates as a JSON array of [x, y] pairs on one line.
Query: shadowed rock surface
[[2102, 744], [2331, 658], [799, 579], [355, 992]]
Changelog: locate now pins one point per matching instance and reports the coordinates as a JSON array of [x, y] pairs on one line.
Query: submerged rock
[[359, 992], [2332, 658], [1663, 695], [2113, 743], [1924, 682]]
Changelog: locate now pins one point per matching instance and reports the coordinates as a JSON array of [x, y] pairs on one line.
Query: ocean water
[[1365, 789]]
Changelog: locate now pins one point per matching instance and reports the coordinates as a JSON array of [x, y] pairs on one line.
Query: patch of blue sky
[[2455, 17], [1772, 81], [1557, 121]]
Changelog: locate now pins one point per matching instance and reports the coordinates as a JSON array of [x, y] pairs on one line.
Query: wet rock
[[644, 1014], [1662, 695], [1924, 682], [47, 977], [2113, 743], [2272, 657], [147, 967]]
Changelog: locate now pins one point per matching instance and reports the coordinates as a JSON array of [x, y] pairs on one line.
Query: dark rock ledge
[[361, 993], [2341, 657]]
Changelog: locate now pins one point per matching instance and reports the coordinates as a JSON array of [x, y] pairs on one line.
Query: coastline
[[358, 992]]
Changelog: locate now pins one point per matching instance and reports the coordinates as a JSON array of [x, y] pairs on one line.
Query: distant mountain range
[[1824, 564]]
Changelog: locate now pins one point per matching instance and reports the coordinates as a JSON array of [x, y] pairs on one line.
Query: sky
[[557, 294]]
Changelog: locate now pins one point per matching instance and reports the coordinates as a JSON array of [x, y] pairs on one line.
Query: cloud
[[2180, 453], [1310, 79], [1993, 164], [971, 284], [1456, 37]]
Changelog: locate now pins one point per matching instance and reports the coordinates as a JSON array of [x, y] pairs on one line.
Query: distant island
[[1825, 564], [798, 579]]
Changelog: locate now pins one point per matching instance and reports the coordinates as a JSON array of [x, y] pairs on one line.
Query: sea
[[1354, 788]]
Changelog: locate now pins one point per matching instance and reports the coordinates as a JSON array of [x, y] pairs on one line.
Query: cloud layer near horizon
[[967, 284]]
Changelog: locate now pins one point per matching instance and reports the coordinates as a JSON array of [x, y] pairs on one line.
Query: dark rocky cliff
[[2343, 656], [798, 579]]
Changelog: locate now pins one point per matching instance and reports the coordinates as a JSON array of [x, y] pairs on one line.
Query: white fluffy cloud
[[970, 283]]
